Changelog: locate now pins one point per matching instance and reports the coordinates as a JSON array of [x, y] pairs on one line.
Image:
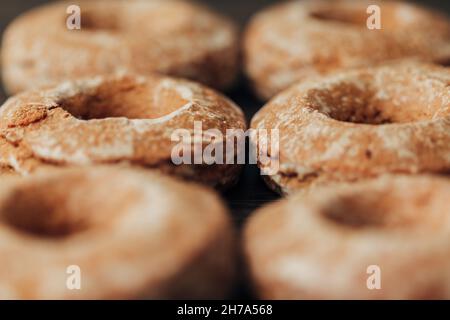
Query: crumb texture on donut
[[118, 119], [360, 124], [133, 234], [320, 246], [303, 39], [176, 38]]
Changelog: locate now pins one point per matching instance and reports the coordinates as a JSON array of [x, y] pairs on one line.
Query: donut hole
[[366, 104], [348, 16], [160, 18], [445, 62], [382, 209], [353, 212], [62, 208], [6, 169], [98, 20], [123, 99]]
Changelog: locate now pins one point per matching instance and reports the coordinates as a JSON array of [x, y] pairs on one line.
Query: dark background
[[251, 192]]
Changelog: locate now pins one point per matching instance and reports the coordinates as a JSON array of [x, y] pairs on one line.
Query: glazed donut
[[321, 246], [303, 39], [116, 119], [133, 234], [360, 124], [142, 36]]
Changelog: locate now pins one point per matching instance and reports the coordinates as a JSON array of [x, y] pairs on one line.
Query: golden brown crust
[[321, 245], [360, 124], [133, 233], [169, 37], [118, 119], [303, 39]]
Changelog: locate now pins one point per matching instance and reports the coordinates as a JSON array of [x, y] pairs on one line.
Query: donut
[[176, 38], [359, 124], [299, 40], [133, 234], [327, 245], [124, 119]]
